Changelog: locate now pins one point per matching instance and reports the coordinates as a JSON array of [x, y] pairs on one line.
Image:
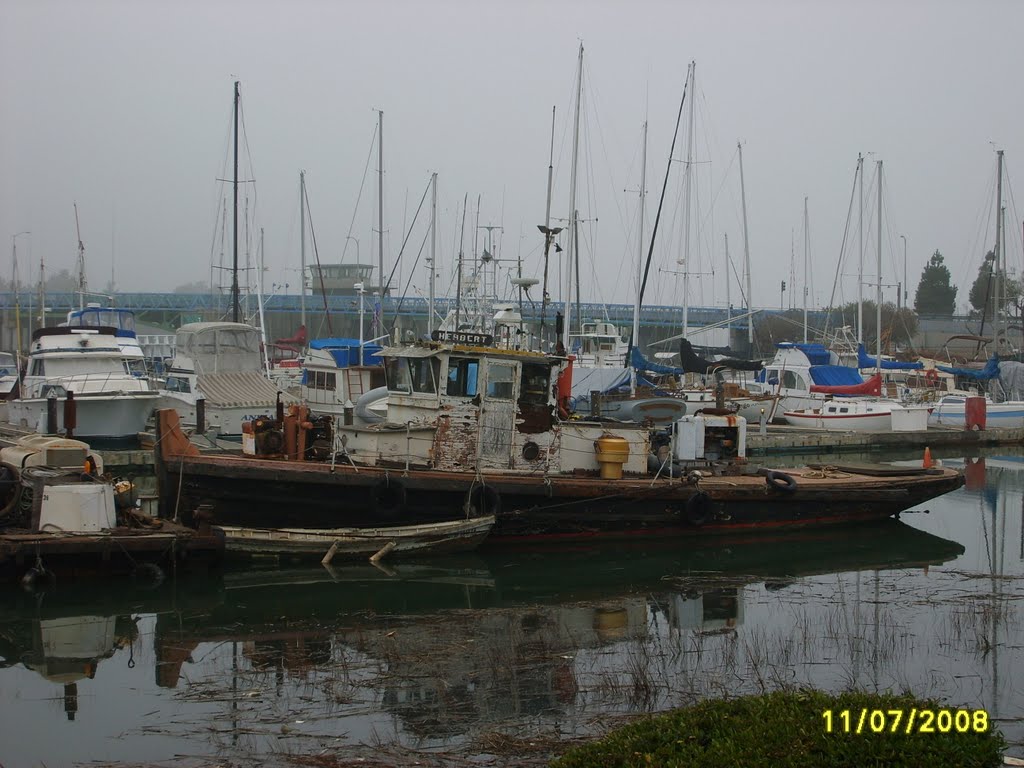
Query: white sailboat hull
[[866, 422]]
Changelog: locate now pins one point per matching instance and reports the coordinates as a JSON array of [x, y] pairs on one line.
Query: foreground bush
[[789, 730]]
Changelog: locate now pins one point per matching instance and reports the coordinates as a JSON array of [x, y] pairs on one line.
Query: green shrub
[[789, 730]]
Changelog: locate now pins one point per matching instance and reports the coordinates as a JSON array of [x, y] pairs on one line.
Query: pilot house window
[[500, 380], [462, 377], [533, 387]]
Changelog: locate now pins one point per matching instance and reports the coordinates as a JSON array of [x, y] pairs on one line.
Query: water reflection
[[492, 653]]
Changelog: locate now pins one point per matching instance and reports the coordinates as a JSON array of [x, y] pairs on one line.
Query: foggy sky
[[125, 108]]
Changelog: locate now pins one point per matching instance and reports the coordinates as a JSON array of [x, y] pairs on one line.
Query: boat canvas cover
[[872, 386], [692, 363], [990, 371], [240, 389], [1011, 379], [216, 347], [345, 352], [863, 361]]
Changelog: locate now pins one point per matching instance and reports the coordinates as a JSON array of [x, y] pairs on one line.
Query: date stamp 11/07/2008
[[906, 721]]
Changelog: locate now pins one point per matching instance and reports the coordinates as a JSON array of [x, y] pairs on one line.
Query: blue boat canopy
[[990, 371], [863, 361], [345, 352], [835, 375]]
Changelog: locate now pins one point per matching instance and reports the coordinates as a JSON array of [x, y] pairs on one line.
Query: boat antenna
[[236, 310], [657, 217]]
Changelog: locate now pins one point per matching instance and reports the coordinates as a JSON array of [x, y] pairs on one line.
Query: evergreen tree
[[983, 290], [935, 295]]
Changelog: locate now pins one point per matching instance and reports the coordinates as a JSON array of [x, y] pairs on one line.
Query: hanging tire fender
[[389, 496], [780, 481], [482, 500], [698, 509]]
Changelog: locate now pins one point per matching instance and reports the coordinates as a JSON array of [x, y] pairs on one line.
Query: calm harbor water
[[500, 656]]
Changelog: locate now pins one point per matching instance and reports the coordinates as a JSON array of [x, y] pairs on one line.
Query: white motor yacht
[[87, 366]]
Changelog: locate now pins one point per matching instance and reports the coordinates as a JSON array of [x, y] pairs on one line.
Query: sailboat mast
[[878, 291], [807, 249], [860, 262], [639, 260], [81, 264], [259, 304], [236, 310], [999, 242], [548, 233], [302, 246], [433, 249], [728, 301], [687, 187], [572, 205], [746, 253], [380, 210], [42, 292]]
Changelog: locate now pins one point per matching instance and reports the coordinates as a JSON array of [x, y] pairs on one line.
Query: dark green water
[[494, 656]]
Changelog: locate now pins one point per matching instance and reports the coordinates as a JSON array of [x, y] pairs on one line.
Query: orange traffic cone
[[926, 463]]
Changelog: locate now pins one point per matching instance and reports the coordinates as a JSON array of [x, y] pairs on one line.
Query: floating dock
[[153, 553], [782, 440]]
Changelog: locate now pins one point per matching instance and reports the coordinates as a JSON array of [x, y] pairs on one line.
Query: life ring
[[388, 496], [780, 481], [482, 500], [698, 509], [931, 375]]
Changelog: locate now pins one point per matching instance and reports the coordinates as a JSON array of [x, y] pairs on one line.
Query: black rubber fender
[[148, 575], [698, 509], [780, 481], [389, 496], [483, 500]]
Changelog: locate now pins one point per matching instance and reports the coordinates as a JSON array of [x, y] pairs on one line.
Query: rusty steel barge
[[476, 430]]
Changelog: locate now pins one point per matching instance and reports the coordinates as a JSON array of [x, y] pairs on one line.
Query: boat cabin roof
[[431, 349]]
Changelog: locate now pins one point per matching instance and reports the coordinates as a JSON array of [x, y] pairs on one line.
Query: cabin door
[[498, 414]]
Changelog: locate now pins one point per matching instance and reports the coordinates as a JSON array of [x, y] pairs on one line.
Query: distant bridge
[[172, 309]]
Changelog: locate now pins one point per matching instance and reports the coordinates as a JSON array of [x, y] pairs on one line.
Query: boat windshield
[[82, 366], [95, 317]]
